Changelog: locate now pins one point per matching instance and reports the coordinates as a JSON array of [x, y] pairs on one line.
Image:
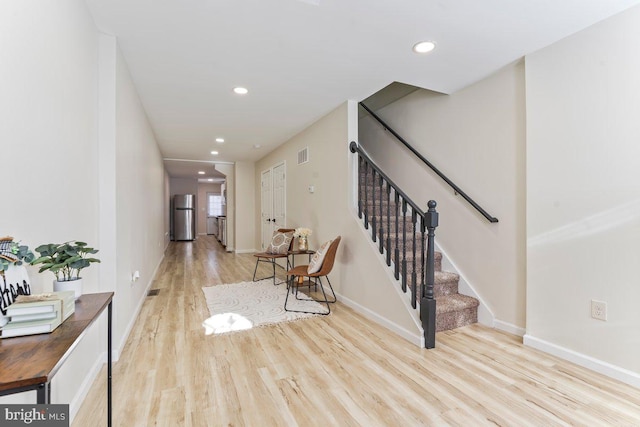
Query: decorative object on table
[[38, 314], [32, 318], [65, 261], [14, 280], [24, 304], [240, 306], [303, 234], [279, 247]]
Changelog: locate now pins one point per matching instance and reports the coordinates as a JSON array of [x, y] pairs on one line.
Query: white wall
[[583, 192], [140, 201], [183, 186], [476, 137], [48, 140], [360, 275], [245, 207], [85, 162]]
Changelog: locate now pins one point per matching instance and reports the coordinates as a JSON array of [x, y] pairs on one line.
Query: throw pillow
[[318, 258], [280, 243]]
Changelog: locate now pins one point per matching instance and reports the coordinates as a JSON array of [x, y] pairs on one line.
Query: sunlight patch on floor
[[226, 322]]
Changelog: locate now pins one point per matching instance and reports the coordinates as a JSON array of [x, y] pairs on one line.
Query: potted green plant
[[14, 279], [65, 261]]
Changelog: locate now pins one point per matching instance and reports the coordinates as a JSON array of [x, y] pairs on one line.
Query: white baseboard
[[245, 251], [408, 335], [83, 390], [508, 327], [605, 368]]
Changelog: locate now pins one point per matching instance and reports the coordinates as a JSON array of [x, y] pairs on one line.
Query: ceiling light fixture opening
[[215, 153], [424, 47], [220, 140], [241, 90], [256, 146], [201, 172]]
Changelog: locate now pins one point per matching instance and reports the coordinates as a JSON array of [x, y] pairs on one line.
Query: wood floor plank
[[338, 370]]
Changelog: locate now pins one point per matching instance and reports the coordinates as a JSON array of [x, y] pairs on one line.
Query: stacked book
[[38, 314]]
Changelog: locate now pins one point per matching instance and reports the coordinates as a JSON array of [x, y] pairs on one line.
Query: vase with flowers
[[302, 234]]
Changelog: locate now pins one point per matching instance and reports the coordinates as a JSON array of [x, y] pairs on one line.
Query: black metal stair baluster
[[388, 224], [360, 180], [423, 261], [404, 245], [414, 293], [374, 230], [366, 193], [397, 248], [380, 224], [428, 303]]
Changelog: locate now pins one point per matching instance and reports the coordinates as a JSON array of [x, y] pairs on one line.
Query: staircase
[[399, 229]]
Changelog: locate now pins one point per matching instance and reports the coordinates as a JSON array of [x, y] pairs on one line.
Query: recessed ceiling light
[[240, 90], [424, 47], [215, 153], [257, 146], [201, 172], [220, 140]]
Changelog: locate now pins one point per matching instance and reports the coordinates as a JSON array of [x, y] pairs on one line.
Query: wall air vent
[[303, 155]]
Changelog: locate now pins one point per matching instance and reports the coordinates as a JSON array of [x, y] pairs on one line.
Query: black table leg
[[44, 394]]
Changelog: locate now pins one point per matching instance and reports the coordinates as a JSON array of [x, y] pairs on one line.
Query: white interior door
[[274, 204], [267, 208]]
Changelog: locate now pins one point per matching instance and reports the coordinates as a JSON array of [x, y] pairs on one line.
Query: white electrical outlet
[[599, 310]]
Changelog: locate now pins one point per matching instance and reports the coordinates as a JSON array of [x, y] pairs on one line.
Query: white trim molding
[[604, 368], [413, 338], [245, 251], [509, 328]]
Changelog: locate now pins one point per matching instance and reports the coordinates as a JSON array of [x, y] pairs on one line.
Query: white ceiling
[[302, 58]]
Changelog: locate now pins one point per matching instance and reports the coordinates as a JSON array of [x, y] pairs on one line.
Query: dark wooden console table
[[30, 362]]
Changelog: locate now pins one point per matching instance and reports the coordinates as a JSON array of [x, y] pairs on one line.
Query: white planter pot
[[15, 282], [69, 285]]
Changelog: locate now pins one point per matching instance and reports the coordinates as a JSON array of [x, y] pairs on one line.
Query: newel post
[[428, 302]]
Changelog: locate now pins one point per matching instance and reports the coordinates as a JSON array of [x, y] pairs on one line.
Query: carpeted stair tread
[[445, 277], [455, 302], [454, 311]]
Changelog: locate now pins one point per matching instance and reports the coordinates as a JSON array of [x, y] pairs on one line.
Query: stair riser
[[391, 226], [439, 289], [376, 200], [409, 253], [456, 319]]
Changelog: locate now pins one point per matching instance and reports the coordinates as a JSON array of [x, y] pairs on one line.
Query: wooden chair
[[271, 258], [300, 272]]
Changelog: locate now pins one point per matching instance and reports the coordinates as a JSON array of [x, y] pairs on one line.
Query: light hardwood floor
[[339, 370]]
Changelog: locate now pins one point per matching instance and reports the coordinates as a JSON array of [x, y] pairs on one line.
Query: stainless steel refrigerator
[[184, 217]]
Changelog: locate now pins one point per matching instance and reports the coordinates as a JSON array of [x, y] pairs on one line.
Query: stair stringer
[[415, 338], [485, 315]]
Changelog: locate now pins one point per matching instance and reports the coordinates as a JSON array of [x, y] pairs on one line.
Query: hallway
[[341, 369]]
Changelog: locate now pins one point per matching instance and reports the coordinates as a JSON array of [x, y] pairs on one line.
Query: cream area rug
[[245, 305]]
